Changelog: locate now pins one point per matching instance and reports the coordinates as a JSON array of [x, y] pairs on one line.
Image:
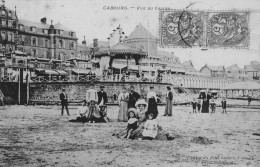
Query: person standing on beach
[[205, 101], [133, 97], [92, 99], [152, 103], [199, 105], [224, 105], [194, 105], [64, 102], [168, 107], [249, 99], [102, 96], [123, 99]]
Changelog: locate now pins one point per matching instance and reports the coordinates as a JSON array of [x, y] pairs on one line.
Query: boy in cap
[[64, 102], [224, 105]]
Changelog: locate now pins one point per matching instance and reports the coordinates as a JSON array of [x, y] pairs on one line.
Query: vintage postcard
[[122, 83]]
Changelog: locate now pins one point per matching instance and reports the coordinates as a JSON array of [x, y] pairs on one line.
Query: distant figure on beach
[[133, 97], [82, 112], [199, 105], [150, 128], [102, 96], [64, 101], [212, 105], [152, 103], [224, 105], [92, 99], [168, 107], [194, 105], [123, 99], [249, 99], [132, 123], [2, 98], [205, 101]]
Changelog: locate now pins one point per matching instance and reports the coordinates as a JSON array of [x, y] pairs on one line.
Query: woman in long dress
[[205, 101], [168, 107], [123, 105], [152, 103]]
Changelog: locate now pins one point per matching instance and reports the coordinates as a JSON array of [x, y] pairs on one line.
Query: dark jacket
[[133, 97], [63, 98], [170, 95], [102, 95]]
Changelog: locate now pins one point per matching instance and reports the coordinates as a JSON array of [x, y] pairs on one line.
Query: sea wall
[[48, 93]]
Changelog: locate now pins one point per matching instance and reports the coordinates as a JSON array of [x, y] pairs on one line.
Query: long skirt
[[168, 107], [205, 107], [122, 115], [152, 108]]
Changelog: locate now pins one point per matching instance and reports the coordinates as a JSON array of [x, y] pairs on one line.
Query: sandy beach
[[39, 136]]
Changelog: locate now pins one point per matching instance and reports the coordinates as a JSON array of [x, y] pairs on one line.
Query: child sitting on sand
[[212, 105], [224, 105], [150, 128], [194, 105], [132, 123]]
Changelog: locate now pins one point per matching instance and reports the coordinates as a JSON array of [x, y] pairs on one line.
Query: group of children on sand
[[196, 104]]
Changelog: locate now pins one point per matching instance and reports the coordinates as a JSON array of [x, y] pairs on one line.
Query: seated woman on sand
[[81, 113]]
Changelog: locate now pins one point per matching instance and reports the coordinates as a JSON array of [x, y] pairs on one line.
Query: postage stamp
[[181, 28], [218, 29], [228, 29]]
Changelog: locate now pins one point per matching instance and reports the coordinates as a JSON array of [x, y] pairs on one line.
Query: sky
[[91, 18]]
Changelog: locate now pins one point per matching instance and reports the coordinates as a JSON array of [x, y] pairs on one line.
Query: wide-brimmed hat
[[102, 106], [168, 87], [140, 102]]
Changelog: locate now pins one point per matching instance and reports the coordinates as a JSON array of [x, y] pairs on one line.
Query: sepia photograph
[[129, 83]]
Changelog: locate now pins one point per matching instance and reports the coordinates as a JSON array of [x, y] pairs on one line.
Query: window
[[9, 14], [3, 35], [34, 41], [45, 43], [45, 54], [44, 31], [61, 32], [3, 22], [60, 44], [3, 12], [71, 34], [34, 52], [22, 39], [10, 23], [33, 29], [20, 27]]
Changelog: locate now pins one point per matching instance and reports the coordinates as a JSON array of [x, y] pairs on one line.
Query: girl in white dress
[[150, 128]]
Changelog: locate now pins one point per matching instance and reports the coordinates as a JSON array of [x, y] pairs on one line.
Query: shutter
[[40, 40]]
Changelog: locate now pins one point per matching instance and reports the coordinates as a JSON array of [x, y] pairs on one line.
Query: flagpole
[[148, 52]]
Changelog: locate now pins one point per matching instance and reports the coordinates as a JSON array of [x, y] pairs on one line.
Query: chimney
[[84, 42], [95, 43], [43, 20]]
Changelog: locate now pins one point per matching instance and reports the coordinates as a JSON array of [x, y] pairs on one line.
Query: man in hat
[[133, 97], [102, 96], [92, 99], [169, 97], [64, 101]]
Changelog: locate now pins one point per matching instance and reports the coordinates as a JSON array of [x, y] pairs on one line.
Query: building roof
[[188, 63], [59, 26], [215, 68], [140, 32], [100, 44], [9, 10], [249, 68], [234, 67], [33, 24], [243, 86]]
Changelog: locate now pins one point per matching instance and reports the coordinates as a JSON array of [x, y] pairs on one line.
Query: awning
[[61, 72], [147, 68], [81, 71], [47, 72], [133, 67], [177, 70], [95, 61], [119, 66]]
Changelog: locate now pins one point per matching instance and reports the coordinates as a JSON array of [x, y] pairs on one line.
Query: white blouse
[[151, 94]]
